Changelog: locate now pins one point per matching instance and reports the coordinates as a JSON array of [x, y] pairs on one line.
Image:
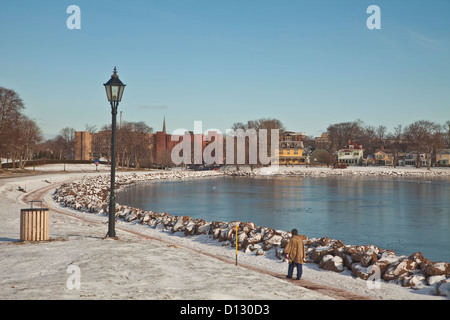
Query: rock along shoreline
[[367, 262]]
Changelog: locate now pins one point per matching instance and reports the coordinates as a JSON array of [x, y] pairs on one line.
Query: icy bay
[[405, 215]]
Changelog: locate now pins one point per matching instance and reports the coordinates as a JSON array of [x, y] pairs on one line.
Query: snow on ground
[[351, 171], [145, 263], [72, 167]]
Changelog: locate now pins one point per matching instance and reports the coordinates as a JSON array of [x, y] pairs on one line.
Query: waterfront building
[[292, 136], [384, 158], [290, 151], [443, 157], [352, 154], [411, 159]]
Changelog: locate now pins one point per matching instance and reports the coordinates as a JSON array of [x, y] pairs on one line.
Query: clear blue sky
[[306, 63]]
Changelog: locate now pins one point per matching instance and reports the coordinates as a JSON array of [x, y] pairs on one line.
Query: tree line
[[133, 144], [419, 137], [19, 135], [21, 138]]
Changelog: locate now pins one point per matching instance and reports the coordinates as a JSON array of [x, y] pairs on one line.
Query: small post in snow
[[236, 242]]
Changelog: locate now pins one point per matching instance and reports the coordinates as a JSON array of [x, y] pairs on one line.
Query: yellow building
[[384, 159], [443, 157], [290, 152]]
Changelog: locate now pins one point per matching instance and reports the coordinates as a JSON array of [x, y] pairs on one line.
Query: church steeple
[[164, 125]]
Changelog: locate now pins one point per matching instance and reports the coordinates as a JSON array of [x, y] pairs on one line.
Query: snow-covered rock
[[332, 263], [436, 269], [403, 266], [443, 288]]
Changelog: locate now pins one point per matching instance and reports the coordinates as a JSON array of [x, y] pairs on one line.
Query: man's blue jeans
[[291, 267]]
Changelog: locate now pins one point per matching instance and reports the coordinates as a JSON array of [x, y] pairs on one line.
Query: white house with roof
[[411, 159], [352, 154]]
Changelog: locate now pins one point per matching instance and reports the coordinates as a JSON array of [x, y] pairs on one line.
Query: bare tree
[[253, 127], [340, 134], [381, 134], [141, 143], [91, 128], [68, 142], [11, 106], [369, 139], [425, 137], [29, 136], [327, 158], [446, 127], [18, 134], [101, 144], [133, 143], [56, 146], [398, 132], [396, 142]]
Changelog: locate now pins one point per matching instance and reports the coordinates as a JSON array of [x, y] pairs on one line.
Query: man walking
[[295, 253]]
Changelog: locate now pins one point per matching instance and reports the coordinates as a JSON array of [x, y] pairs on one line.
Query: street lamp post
[[114, 91]]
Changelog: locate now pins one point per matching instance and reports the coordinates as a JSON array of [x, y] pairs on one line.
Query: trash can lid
[[35, 201], [34, 210]]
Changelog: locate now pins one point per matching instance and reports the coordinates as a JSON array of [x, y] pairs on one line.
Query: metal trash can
[[34, 223]]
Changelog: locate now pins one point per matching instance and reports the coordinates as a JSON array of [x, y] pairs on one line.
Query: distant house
[[352, 154], [411, 159], [322, 141], [443, 157], [292, 136], [384, 158], [321, 157], [370, 160], [290, 151]]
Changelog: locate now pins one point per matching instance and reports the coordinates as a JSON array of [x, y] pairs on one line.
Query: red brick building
[[96, 145]]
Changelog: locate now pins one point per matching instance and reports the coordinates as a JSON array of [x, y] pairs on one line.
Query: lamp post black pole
[[112, 195], [114, 91]]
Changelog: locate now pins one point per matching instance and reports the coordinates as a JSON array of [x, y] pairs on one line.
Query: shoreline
[[370, 171], [413, 271]]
